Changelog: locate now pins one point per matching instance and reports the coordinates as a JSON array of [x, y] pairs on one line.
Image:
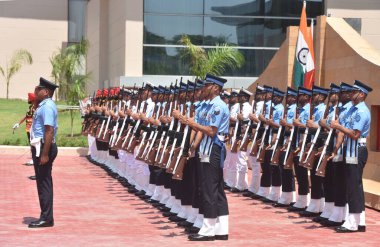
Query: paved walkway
[[92, 209]]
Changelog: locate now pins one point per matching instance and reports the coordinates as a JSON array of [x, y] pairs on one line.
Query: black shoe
[[132, 190], [319, 219], [197, 237], [226, 187], [255, 196], [361, 228], [176, 218], [163, 209], [144, 197], [295, 209], [329, 223], [158, 205], [41, 223], [221, 237], [266, 200], [247, 194], [236, 190], [168, 214], [140, 193], [184, 224], [280, 205], [152, 201], [308, 214], [27, 164], [32, 177], [341, 229], [192, 229]]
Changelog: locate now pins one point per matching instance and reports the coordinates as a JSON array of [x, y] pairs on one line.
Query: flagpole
[[312, 28]]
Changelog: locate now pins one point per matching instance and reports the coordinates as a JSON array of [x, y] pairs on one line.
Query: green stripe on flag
[[298, 74]]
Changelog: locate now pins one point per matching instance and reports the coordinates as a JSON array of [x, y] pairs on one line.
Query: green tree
[[19, 58], [68, 71], [214, 61]]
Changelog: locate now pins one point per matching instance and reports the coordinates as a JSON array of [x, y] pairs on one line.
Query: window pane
[[235, 7], [255, 63], [169, 29], [236, 31], [174, 6], [77, 16], [293, 8], [275, 31], [167, 61], [163, 61]]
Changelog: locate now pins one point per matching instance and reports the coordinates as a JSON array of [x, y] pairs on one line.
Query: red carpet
[[92, 209]]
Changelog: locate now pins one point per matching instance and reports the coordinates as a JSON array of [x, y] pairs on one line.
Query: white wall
[[40, 26]]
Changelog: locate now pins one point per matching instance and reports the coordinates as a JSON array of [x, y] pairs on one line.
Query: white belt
[[221, 138], [36, 142], [362, 140]]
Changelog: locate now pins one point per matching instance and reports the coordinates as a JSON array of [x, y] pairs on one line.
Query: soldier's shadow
[[27, 220]]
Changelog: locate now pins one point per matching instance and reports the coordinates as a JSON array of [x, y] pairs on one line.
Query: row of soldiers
[[175, 146]]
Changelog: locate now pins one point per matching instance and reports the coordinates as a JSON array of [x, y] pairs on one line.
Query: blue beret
[[320, 90], [290, 91], [345, 87], [214, 79], [278, 92], [302, 90], [362, 87], [47, 84]]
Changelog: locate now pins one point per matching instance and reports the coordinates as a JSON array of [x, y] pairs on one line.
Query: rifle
[[235, 141], [152, 152], [183, 154], [123, 125], [261, 152], [306, 130], [277, 151], [133, 142], [255, 142], [323, 159], [153, 134], [289, 154], [311, 155], [175, 151], [246, 139], [165, 153]]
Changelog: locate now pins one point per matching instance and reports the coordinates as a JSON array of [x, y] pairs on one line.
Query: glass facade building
[[256, 27]]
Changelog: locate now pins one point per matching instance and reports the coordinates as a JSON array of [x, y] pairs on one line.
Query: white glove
[[16, 125]]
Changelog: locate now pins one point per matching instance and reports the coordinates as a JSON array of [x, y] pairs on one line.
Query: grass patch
[[11, 111]]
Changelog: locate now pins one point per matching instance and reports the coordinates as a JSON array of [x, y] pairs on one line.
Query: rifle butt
[[178, 175], [321, 171]]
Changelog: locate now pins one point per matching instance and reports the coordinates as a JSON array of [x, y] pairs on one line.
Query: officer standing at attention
[[356, 130], [212, 153], [44, 149]]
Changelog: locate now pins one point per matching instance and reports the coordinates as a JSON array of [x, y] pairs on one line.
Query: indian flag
[[304, 68]]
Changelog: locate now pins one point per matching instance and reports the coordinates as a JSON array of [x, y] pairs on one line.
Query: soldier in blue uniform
[[355, 130], [44, 149], [214, 128]]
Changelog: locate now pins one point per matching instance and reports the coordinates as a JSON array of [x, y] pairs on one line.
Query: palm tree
[[68, 70], [215, 61], [19, 58]]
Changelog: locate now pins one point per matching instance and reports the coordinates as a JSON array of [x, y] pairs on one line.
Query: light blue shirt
[[267, 108], [46, 114], [291, 113], [360, 119], [304, 113], [343, 112], [216, 114], [318, 112], [278, 111]]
